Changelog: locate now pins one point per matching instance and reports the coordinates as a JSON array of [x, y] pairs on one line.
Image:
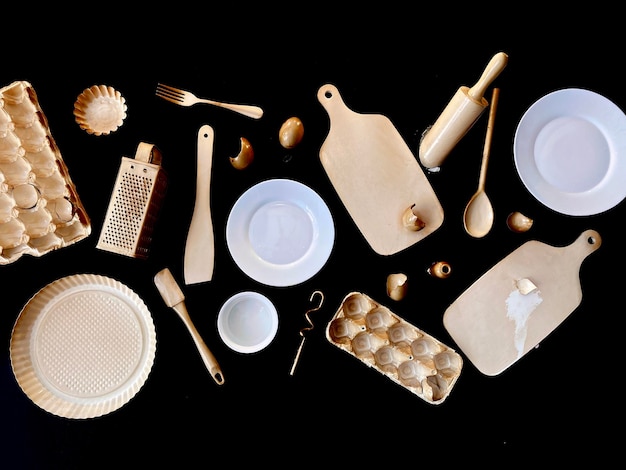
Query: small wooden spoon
[[478, 215]]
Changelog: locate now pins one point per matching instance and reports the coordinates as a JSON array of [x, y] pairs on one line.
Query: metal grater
[[135, 203]]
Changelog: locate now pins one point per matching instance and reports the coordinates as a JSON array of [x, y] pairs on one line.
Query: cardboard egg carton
[[402, 352], [40, 210]]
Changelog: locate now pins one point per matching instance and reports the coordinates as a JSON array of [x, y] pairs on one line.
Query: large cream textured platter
[[83, 346], [517, 303], [376, 176]]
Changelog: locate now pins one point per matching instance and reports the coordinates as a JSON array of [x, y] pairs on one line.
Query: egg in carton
[[40, 209], [379, 338]]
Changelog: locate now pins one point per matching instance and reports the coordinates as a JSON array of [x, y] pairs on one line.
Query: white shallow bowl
[[247, 322]]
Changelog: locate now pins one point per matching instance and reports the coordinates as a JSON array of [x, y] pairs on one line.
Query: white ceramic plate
[[247, 322], [570, 152], [83, 346], [280, 232]]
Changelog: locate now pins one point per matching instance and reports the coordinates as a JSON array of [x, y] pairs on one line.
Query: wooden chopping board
[[376, 176], [518, 302]]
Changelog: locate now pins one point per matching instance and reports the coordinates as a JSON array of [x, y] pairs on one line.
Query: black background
[[563, 396]]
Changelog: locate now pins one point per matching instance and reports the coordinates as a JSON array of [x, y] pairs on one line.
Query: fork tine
[[167, 98], [171, 94], [164, 87]]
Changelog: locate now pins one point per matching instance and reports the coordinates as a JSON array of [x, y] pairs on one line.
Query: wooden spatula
[[199, 249]]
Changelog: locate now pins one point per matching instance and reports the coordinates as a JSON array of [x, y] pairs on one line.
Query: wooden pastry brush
[[174, 298]]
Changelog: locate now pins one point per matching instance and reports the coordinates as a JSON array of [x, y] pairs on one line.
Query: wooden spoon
[[478, 216]]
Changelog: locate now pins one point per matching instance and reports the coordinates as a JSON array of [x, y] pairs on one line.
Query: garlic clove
[[411, 220], [397, 286], [518, 222], [245, 156]]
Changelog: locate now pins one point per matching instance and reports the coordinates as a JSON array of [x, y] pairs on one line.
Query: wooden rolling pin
[[459, 116]]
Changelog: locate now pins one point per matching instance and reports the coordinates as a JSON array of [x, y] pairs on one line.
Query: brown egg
[[291, 132]]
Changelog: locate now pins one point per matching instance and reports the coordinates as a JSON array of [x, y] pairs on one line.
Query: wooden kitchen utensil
[[459, 116], [199, 249], [518, 302], [478, 215], [175, 299], [376, 176], [135, 204]]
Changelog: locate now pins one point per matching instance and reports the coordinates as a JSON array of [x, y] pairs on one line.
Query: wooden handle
[[493, 69], [488, 139], [207, 356]]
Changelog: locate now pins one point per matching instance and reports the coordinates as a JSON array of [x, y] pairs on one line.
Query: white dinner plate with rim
[[83, 346], [280, 232], [570, 152]]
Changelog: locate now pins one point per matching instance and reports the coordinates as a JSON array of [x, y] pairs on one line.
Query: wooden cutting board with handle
[[376, 176], [512, 307]]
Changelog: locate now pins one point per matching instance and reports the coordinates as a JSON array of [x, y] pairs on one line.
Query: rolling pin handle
[[493, 69]]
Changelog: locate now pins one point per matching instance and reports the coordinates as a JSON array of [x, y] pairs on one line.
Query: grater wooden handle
[[148, 153]]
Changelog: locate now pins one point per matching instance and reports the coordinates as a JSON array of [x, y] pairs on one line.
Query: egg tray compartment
[[405, 354], [40, 210]]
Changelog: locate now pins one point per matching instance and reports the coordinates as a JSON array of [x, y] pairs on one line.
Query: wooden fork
[[186, 98]]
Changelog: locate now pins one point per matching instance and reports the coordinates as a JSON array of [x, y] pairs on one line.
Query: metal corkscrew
[[304, 330]]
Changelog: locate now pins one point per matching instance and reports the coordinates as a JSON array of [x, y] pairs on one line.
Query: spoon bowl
[[478, 216]]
